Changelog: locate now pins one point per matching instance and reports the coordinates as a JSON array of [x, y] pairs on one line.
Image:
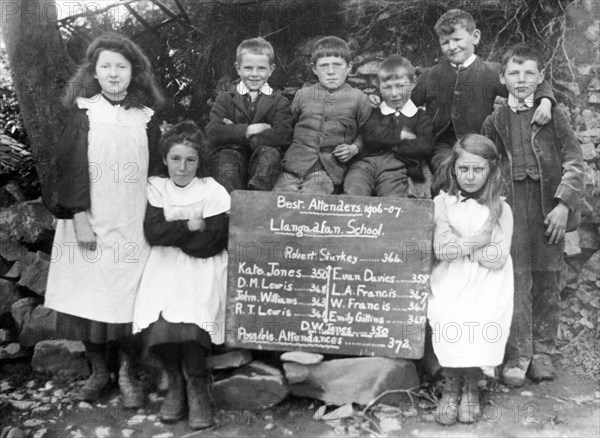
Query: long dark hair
[[142, 91], [494, 187], [186, 133]]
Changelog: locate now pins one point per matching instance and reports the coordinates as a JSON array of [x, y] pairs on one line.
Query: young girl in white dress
[[471, 305], [181, 299], [99, 250]]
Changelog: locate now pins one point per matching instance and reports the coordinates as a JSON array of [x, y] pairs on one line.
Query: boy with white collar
[[250, 127], [543, 166], [397, 138], [459, 92]]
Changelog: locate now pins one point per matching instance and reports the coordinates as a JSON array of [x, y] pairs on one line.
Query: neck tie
[[253, 95]]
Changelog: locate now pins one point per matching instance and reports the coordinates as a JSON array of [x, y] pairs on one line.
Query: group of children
[[152, 251]]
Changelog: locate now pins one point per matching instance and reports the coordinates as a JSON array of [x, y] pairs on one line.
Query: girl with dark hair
[[181, 299], [99, 250], [471, 303]]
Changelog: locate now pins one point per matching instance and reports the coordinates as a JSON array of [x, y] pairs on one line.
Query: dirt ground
[[566, 407]]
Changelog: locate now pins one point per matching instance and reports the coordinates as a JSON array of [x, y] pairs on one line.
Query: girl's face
[[182, 162], [471, 171], [113, 72]]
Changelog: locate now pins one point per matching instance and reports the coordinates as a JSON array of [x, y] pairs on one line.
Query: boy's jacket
[[558, 154]]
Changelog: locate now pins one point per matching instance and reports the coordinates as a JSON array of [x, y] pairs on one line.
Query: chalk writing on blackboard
[[342, 275]]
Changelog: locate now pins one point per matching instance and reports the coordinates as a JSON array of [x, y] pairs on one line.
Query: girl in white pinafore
[[471, 303], [180, 305], [99, 251]]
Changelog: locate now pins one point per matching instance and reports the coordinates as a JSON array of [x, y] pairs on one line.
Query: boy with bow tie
[[543, 166]]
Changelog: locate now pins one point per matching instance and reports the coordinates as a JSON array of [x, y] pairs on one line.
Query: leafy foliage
[[16, 162]]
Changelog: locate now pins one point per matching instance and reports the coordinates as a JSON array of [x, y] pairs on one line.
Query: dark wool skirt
[[76, 328], [165, 332]]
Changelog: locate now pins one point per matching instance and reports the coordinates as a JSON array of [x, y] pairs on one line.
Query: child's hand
[[86, 238], [405, 134], [556, 221], [196, 224], [344, 152], [256, 128], [482, 238], [543, 113], [227, 121], [374, 100]]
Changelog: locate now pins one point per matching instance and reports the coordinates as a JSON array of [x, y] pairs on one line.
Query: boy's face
[[254, 70], [332, 71], [396, 91], [522, 79], [460, 44]]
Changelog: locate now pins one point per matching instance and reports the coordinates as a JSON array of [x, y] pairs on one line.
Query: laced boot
[[131, 388], [469, 410], [200, 406], [100, 377], [447, 409]]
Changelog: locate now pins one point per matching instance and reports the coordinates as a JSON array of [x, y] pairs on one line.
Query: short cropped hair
[[521, 53], [389, 68], [448, 22], [331, 46], [256, 46]]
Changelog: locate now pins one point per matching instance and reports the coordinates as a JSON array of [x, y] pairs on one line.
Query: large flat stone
[[230, 359], [302, 357], [352, 380], [253, 386], [61, 355]]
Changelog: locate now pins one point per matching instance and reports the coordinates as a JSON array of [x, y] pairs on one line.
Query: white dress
[[185, 288], [101, 285], [471, 302]]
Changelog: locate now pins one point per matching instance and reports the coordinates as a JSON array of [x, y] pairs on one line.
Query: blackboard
[[328, 274]]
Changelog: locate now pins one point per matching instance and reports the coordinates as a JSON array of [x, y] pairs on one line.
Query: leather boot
[[100, 377], [131, 388], [447, 409], [173, 406], [469, 410], [200, 406], [201, 411]]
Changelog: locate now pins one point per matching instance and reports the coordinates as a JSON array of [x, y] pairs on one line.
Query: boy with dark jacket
[[544, 169], [250, 127], [397, 138]]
